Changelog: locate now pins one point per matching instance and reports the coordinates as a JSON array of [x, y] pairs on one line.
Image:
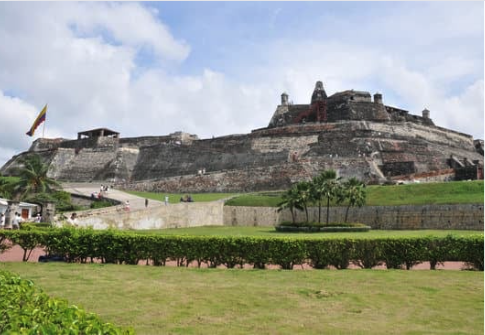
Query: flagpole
[[43, 126]]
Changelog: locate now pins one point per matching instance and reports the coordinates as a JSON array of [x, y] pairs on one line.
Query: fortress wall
[[432, 134], [172, 216], [144, 141], [464, 216], [229, 153], [83, 165], [273, 177], [45, 144], [246, 179]]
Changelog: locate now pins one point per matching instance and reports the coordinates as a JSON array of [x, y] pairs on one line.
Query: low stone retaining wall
[[156, 217], [464, 216]]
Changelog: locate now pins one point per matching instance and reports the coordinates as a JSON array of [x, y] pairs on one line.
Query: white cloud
[[129, 24], [83, 59]]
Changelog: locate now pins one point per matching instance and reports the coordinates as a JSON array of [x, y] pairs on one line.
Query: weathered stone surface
[[181, 215], [465, 217], [357, 137]]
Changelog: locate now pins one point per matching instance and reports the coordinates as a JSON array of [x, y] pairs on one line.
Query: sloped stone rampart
[[463, 217]]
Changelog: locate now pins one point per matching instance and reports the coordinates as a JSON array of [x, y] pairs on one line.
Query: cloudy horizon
[[219, 68]]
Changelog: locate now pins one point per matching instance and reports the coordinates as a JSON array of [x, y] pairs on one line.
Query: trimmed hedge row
[[25, 309], [321, 229], [110, 246]]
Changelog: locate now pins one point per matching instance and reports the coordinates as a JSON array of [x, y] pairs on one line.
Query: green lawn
[[170, 300], [175, 197], [270, 232], [411, 194]]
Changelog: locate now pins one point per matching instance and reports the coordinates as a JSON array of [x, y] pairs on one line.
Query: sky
[[219, 68]]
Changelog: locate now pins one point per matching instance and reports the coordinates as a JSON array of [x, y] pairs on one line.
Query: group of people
[[186, 198], [102, 190], [17, 220]]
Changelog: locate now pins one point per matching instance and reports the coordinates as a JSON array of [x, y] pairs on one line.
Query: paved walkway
[[87, 189]]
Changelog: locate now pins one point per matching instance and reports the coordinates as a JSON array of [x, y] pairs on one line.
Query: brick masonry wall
[[465, 216]]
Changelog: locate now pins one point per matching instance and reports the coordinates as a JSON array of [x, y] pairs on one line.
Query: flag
[[38, 121]]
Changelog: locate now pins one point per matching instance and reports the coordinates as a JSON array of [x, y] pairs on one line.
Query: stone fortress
[[350, 132]]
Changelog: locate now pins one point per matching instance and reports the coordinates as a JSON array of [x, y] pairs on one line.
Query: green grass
[[270, 232], [170, 300], [9, 179], [412, 194], [458, 192], [174, 198]]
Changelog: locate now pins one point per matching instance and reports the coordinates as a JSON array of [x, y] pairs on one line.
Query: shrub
[[111, 246], [315, 227], [100, 204], [24, 309], [367, 253], [35, 225]]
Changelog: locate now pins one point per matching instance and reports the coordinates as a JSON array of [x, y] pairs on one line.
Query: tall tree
[[355, 193]]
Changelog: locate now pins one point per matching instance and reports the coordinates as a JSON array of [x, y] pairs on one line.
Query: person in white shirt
[[72, 220], [17, 220]]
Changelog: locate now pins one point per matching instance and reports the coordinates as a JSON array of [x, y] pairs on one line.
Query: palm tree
[[33, 179], [5, 187], [291, 201], [354, 191], [304, 190], [319, 188], [326, 186]]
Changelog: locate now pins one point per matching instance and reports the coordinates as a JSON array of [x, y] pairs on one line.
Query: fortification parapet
[[43, 144]]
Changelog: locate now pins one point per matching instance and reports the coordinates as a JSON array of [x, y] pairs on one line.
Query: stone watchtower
[[284, 99], [426, 113], [319, 93]]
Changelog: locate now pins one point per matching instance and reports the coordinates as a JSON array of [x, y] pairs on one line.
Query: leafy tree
[[33, 179], [354, 192], [291, 201]]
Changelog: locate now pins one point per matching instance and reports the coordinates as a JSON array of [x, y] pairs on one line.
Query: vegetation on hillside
[[174, 198], [457, 192]]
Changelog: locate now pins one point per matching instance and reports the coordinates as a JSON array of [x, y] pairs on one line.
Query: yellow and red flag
[[38, 121]]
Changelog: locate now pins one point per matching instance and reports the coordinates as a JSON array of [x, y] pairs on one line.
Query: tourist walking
[[17, 220]]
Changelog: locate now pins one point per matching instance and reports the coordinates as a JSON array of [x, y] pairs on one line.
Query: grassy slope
[[412, 194], [270, 232], [175, 197], [168, 300]]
